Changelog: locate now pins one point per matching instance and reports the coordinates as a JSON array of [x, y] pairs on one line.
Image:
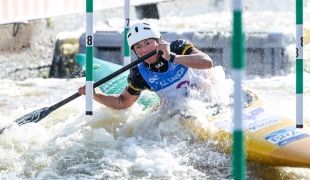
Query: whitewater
[[136, 143]]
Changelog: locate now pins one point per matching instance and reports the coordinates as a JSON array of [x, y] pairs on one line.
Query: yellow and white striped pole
[[299, 64], [127, 59], [238, 164], [89, 57]]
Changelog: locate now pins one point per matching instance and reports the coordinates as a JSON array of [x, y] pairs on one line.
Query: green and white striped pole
[[299, 64], [89, 57], [238, 164], [127, 59]]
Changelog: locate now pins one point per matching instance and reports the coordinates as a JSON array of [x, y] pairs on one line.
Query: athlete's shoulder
[[182, 46], [134, 69], [134, 74], [136, 82]]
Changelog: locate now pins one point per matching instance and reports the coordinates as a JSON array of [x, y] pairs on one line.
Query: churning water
[[132, 143]]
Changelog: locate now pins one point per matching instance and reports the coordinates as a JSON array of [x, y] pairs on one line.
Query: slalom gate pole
[[238, 164], [299, 64], [89, 57], [127, 58]]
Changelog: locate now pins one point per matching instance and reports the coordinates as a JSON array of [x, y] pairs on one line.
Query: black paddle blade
[[32, 117]]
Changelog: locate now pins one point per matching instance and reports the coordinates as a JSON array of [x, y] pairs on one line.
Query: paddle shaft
[[105, 79], [39, 114]]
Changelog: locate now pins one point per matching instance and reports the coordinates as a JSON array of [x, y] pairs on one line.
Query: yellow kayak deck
[[270, 137]]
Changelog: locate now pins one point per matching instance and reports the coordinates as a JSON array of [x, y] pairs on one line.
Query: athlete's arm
[[115, 101], [196, 59]]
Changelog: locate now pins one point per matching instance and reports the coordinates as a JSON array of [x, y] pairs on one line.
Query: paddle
[[39, 114]]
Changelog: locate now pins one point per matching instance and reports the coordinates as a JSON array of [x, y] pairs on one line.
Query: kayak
[[270, 137]]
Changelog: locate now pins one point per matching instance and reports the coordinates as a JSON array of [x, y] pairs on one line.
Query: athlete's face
[[144, 47]]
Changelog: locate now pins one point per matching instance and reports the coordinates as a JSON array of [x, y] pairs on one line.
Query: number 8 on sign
[[89, 40]]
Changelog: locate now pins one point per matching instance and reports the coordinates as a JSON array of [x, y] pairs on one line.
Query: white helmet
[[140, 31]]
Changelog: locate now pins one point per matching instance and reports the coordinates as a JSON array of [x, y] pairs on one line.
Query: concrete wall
[[27, 50], [29, 53], [266, 52]]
